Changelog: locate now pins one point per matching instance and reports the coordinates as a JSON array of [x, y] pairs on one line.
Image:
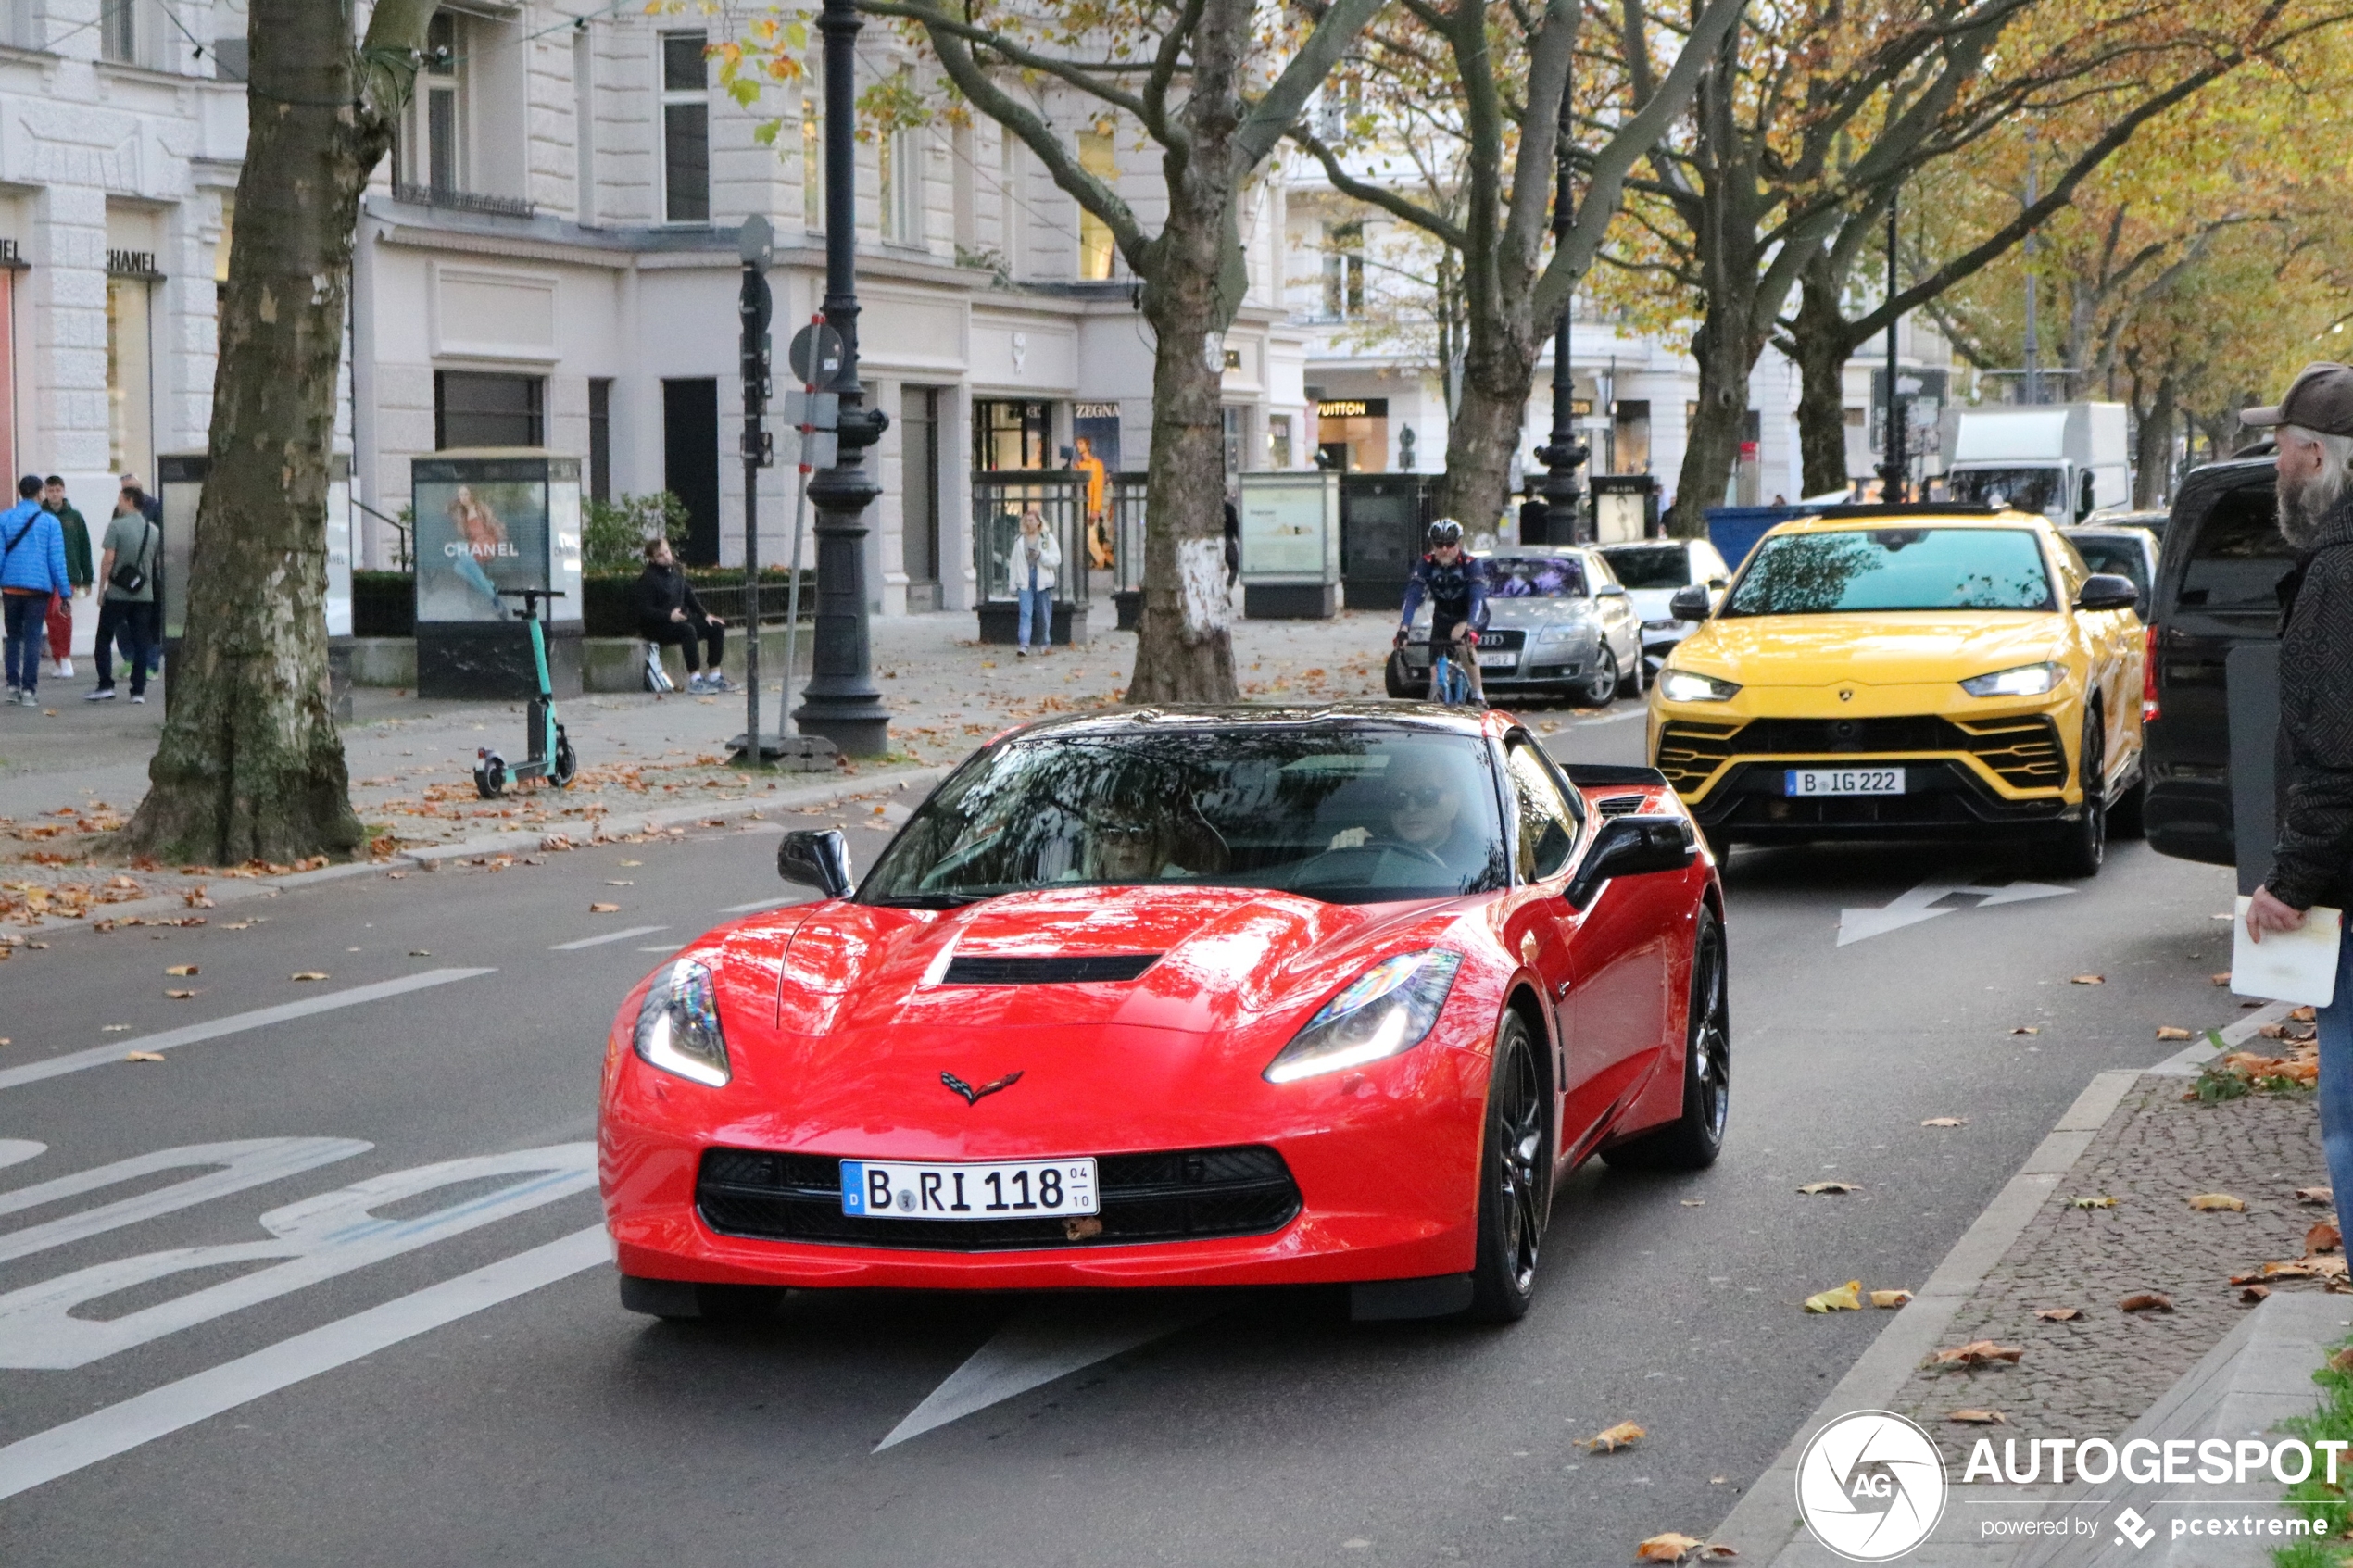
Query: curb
[[1764, 1522], [237, 890]]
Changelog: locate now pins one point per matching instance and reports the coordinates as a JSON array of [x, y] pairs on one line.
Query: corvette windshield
[[1348, 815], [1881, 569]]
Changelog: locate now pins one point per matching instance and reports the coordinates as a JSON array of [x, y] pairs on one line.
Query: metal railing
[[1127, 502], [463, 201]]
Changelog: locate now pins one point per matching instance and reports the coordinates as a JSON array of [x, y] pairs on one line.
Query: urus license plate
[[880, 1189], [1843, 781]]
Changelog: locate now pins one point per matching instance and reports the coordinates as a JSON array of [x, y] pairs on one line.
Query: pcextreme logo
[[1870, 1486]]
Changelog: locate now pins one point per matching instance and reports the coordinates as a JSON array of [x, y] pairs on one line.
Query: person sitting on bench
[[668, 612]]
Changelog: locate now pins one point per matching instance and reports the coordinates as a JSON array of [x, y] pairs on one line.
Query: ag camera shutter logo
[[1870, 1486]]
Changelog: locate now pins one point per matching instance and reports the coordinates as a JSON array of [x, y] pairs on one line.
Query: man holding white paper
[[2312, 863]]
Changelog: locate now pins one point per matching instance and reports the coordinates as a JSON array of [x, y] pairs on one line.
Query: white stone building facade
[[550, 259]]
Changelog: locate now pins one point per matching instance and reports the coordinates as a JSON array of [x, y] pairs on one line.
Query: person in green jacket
[[78, 572]]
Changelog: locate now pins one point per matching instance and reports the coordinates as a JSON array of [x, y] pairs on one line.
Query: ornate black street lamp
[[841, 702], [1563, 453]]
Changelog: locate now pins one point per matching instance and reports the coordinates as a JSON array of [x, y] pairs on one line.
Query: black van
[[2216, 588]]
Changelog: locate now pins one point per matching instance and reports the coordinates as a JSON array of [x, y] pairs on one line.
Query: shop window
[[1007, 435], [474, 408], [131, 445], [1631, 436], [686, 128], [1278, 441]]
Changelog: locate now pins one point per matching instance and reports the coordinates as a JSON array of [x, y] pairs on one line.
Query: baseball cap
[[2320, 398]]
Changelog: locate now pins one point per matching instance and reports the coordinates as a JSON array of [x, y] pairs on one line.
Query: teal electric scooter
[[551, 757]]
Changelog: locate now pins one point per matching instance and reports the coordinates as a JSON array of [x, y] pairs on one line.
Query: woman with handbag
[[128, 568]]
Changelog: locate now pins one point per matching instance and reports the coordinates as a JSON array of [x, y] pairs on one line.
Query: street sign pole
[[816, 356], [757, 245]]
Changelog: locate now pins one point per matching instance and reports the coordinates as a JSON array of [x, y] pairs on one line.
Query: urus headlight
[[678, 1025], [1386, 1011], [2026, 680], [1686, 685]]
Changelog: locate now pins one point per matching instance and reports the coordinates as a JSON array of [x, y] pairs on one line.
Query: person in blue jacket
[[1454, 582], [32, 569]]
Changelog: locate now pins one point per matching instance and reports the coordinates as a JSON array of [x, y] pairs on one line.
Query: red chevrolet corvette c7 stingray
[[1197, 996]]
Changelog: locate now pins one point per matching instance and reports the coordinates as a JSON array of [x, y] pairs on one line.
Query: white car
[[1653, 571]]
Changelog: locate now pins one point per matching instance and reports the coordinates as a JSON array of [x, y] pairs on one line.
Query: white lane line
[[1041, 1343], [119, 1428], [662, 947], [236, 1022], [766, 904], [621, 935]]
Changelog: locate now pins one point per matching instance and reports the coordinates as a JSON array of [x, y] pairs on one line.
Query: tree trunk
[[1184, 643], [1727, 352], [1821, 347], [1184, 640], [250, 766], [1486, 427], [2153, 450]]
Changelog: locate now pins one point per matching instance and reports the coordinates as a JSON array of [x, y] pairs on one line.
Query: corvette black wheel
[[1691, 1141], [1515, 1188]]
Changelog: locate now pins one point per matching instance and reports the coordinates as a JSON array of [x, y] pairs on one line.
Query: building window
[[118, 31], [1344, 271], [1011, 434], [813, 149], [600, 438], [474, 408], [1278, 441], [1012, 215], [686, 128], [433, 131], [1097, 157], [1234, 422], [900, 187]]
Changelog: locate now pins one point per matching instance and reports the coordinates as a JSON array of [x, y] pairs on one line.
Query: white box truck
[[2065, 460]]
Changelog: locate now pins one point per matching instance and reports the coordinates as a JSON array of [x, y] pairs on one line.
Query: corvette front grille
[[1181, 1195], [2024, 752]]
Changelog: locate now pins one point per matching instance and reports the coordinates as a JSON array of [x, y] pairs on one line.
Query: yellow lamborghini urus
[[1909, 671]]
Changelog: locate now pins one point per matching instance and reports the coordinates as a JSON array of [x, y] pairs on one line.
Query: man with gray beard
[[2314, 861]]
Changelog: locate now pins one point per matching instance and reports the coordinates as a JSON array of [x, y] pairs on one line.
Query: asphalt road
[[433, 1369]]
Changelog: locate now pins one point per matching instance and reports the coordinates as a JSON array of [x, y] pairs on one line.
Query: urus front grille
[[1053, 969], [1182, 1195], [2024, 752]]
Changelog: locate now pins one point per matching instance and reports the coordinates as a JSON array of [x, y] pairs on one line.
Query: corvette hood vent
[[1051, 969]]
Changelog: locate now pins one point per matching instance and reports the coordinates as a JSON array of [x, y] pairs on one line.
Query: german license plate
[[1843, 781], [1506, 660], [878, 1189]]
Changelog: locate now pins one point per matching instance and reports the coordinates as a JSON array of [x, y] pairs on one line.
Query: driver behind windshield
[[1422, 815]]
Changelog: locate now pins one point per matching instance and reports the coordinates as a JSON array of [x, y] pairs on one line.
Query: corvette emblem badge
[[973, 1095]]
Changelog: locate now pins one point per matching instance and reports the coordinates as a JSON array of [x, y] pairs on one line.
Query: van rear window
[[2238, 556]]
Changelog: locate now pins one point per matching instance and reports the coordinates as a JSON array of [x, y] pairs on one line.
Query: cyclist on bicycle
[[1455, 583]]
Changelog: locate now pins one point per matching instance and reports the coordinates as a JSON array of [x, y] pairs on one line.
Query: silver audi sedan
[[1559, 624]]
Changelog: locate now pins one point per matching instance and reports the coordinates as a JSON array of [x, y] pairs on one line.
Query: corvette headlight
[[2026, 680], [678, 1025], [1386, 1010], [1686, 685]]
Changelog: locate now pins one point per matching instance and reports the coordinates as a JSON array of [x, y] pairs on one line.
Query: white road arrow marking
[[1043, 1342], [16, 1152], [1923, 903]]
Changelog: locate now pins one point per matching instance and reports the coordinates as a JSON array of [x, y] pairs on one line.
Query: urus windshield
[[1883, 569]]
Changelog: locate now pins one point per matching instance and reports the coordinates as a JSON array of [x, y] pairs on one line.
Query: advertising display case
[[1000, 499], [489, 522], [1290, 545]]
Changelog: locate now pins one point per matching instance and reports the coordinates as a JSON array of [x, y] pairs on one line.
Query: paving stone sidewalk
[[2095, 1373]]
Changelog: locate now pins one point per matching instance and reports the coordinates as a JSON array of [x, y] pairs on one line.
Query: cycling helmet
[[1445, 532]]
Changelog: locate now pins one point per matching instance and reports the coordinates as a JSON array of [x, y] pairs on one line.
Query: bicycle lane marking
[[100, 1435], [235, 1023]]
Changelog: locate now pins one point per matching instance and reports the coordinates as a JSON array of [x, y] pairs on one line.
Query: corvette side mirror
[[1688, 604], [2106, 590], [1631, 846], [818, 859]]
